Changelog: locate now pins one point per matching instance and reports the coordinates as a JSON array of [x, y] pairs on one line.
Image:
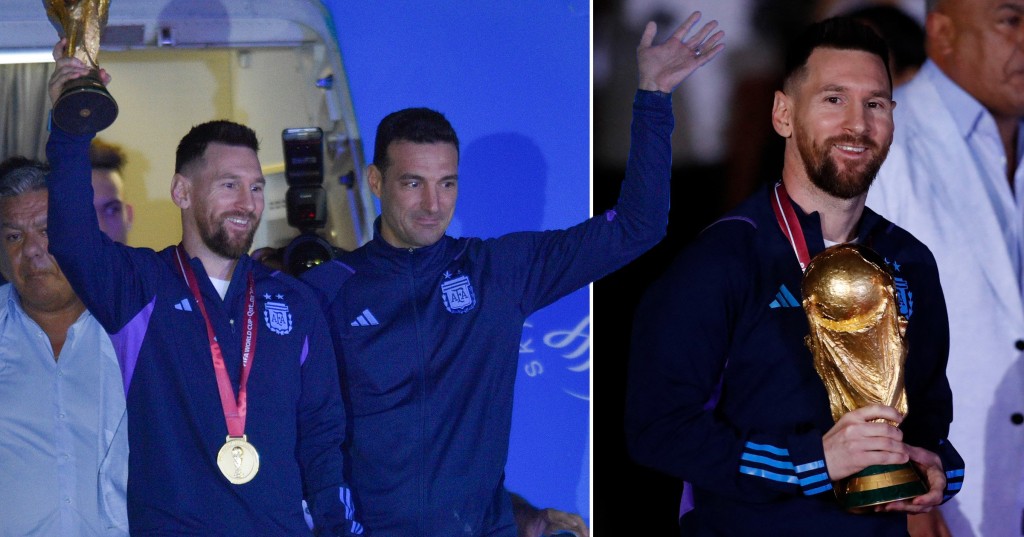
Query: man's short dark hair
[[106, 156], [19, 175], [417, 125], [842, 33], [194, 144]]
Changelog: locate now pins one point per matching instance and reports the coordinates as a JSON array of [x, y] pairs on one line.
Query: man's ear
[[782, 114], [941, 34], [181, 191], [375, 178]]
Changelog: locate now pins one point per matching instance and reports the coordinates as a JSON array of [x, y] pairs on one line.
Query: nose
[[429, 200], [858, 120], [35, 245], [246, 200]]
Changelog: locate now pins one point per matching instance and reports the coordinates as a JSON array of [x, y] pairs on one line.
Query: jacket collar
[[810, 223], [424, 256]]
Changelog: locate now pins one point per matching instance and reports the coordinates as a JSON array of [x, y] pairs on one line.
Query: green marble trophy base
[[880, 484]]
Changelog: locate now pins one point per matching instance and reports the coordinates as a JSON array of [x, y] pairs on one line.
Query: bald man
[[954, 179]]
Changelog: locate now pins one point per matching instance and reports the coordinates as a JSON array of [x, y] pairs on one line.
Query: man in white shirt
[[954, 179], [64, 448]]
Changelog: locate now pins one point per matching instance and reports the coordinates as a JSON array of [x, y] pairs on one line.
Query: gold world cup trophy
[[84, 105], [857, 339]]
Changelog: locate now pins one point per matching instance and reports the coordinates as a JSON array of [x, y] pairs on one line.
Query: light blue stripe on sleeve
[[757, 472], [769, 449], [954, 486], [785, 465], [819, 490], [955, 473], [813, 479], [810, 466]]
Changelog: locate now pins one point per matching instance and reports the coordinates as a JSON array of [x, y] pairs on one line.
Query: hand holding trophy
[[857, 338], [84, 104]]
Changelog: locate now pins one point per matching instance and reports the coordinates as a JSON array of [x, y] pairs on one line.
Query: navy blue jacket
[[722, 389], [428, 346], [176, 423]]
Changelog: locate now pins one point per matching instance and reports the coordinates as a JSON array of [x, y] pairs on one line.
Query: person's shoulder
[[741, 224], [278, 277], [727, 247], [898, 238], [6, 289], [329, 277], [915, 106]]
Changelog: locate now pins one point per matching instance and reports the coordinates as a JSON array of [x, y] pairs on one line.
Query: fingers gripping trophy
[[857, 338], [84, 105]]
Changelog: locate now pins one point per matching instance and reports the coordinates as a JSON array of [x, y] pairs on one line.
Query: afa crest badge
[[277, 317], [904, 297], [457, 294]]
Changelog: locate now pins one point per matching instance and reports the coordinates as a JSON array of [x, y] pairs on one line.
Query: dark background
[[630, 499]]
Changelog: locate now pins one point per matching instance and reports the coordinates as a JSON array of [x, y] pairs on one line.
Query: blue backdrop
[[514, 80]]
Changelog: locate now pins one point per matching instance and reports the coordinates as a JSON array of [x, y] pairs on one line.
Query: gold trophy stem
[[85, 105]]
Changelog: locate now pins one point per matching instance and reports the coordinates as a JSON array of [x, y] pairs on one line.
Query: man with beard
[[234, 408], [723, 392]]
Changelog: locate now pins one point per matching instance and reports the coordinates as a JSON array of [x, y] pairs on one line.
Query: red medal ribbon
[[234, 410], [790, 225]]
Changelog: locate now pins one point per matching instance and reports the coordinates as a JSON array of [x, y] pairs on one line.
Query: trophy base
[[84, 106], [880, 484]]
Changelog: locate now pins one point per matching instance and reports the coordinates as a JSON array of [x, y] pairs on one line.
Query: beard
[[824, 172], [219, 241]]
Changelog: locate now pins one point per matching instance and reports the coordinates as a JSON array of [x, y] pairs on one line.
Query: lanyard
[[234, 411], [790, 225]]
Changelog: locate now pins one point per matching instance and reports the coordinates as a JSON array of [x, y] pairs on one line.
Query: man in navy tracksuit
[[723, 391], [234, 409], [428, 327]]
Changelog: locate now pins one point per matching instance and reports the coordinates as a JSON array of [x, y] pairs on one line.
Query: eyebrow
[[237, 176], [1011, 6], [836, 88], [37, 223]]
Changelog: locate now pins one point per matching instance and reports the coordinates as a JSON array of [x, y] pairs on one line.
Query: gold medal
[[238, 460]]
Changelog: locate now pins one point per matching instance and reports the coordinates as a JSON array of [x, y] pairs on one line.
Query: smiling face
[[838, 120], [224, 198], [25, 261], [417, 192]]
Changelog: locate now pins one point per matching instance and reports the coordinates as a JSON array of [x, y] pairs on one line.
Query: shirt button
[[67, 500], [1017, 418], [61, 415]]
